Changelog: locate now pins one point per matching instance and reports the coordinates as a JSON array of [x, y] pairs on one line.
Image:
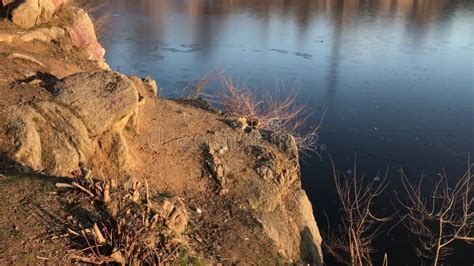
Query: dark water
[[396, 75]]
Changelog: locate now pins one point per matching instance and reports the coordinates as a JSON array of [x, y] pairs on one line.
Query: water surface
[[395, 75]]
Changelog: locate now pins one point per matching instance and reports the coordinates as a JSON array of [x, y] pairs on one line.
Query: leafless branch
[[352, 242], [438, 216]]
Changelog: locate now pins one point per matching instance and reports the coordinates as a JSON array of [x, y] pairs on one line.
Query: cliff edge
[[65, 116]]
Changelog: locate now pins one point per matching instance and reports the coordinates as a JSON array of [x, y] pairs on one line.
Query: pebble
[[198, 211]]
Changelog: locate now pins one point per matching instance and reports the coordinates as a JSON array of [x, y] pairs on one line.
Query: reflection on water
[[397, 75]]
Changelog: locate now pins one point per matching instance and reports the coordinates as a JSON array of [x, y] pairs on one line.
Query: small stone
[[150, 84], [198, 238], [223, 192], [198, 211]]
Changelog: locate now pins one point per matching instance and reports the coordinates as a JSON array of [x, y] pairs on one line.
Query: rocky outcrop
[[74, 29], [279, 194], [56, 136], [273, 191], [29, 13]]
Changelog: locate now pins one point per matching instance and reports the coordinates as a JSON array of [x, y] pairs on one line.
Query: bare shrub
[[100, 23], [269, 112], [439, 216], [196, 89], [280, 115], [90, 5], [351, 243]]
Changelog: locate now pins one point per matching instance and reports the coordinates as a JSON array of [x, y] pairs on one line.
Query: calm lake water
[[395, 75]]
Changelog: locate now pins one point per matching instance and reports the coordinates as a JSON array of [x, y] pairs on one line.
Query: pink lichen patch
[[80, 36], [96, 50]]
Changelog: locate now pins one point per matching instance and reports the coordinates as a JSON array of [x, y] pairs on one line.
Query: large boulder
[[58, 135], [29, 13], [47, 137], [99, 99]]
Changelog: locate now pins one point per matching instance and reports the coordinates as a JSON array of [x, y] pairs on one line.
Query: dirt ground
[[26, 203]]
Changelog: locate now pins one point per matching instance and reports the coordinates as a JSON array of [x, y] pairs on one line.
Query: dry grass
[[351, 244], [90, 5], [439, 216], [100, 25], [196, 89], [130, 230], [278, 114]]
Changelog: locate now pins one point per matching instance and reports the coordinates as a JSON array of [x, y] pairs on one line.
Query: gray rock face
[[56, 135]]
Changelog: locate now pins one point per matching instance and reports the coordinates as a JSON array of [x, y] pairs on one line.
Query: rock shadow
[[6, 10], [309, 252], [47, 80]]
